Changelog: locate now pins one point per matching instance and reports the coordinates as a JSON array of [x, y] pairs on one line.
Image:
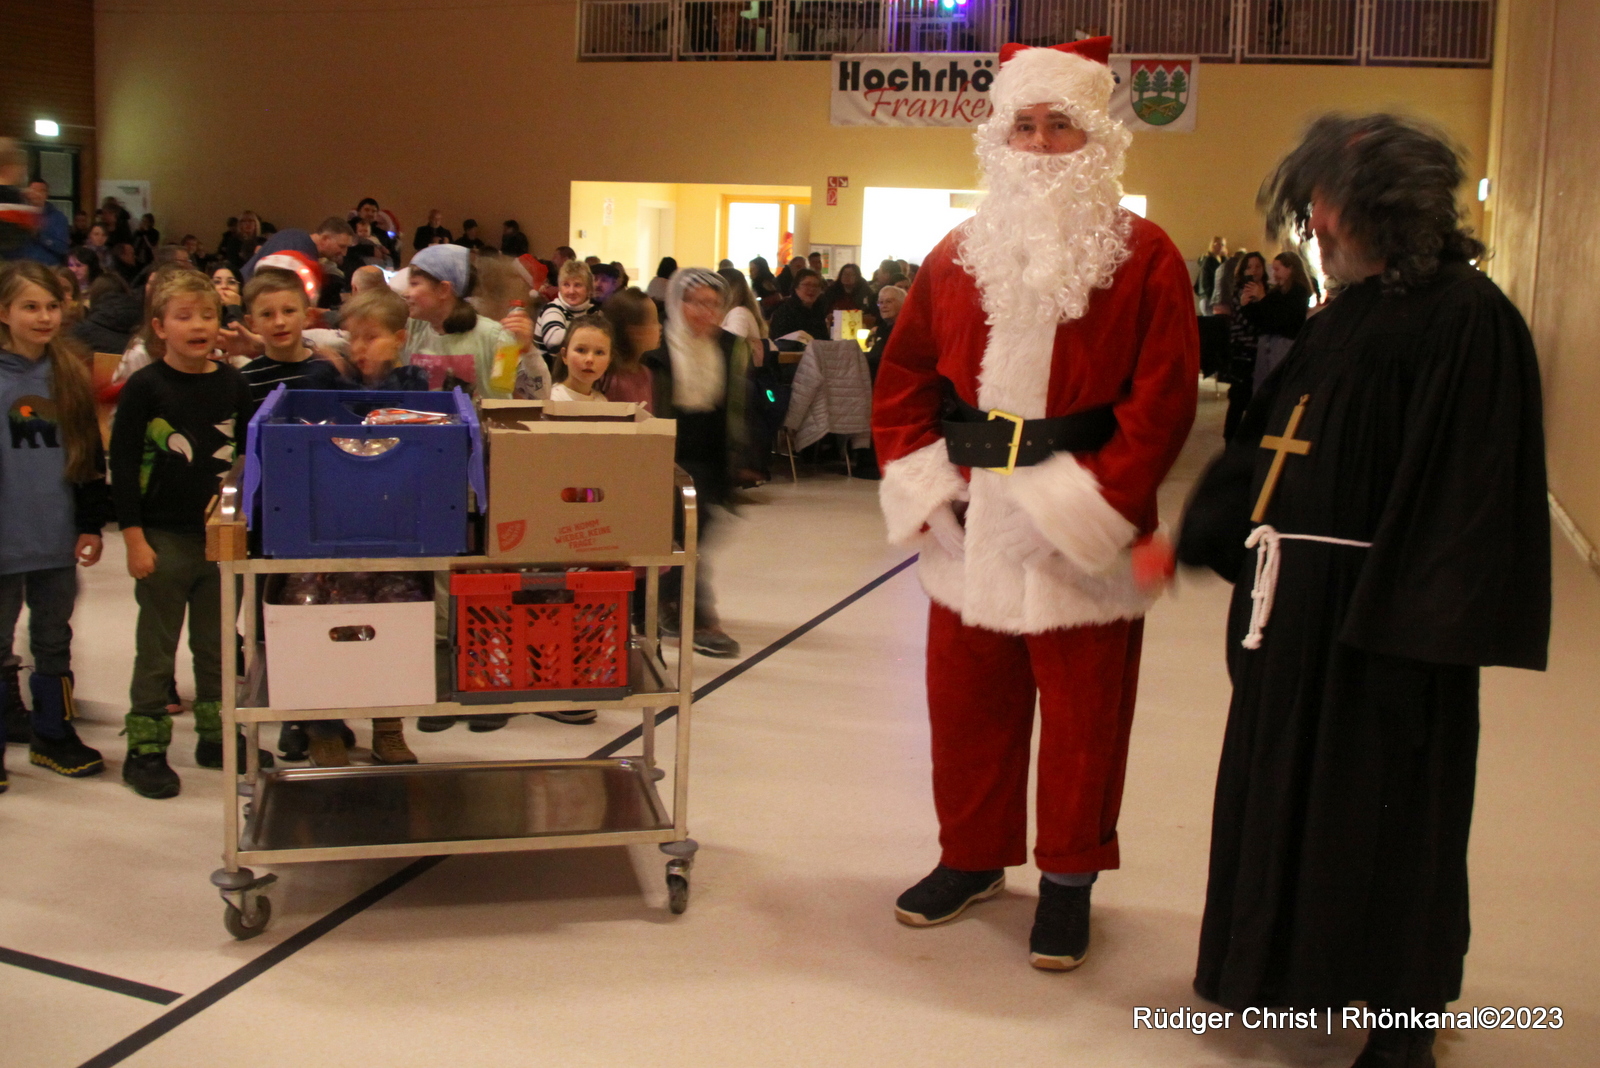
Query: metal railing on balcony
[[1460, 31], [1433, 32], [1302, 29]]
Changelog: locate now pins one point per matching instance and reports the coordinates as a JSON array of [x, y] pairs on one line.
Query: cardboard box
[[578, 482], [350, 655]]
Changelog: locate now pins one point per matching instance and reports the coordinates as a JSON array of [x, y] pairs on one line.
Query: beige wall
[[47, 72], [482, 132], [1546, 225]]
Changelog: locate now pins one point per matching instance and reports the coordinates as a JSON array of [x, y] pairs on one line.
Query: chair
[[832, 394]]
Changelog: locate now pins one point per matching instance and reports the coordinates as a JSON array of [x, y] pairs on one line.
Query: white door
[[657, 229]]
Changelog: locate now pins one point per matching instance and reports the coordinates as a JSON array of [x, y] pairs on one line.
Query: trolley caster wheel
[[677, 894], [244, 927]]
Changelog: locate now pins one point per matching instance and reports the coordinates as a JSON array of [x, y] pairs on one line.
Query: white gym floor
[[810, 798]]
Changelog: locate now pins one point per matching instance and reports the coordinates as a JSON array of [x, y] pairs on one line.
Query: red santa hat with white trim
[[1076, 74], [303, 267]]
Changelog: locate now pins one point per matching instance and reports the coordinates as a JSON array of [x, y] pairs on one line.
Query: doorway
[[56, 165], [759, 226], [658, 227]]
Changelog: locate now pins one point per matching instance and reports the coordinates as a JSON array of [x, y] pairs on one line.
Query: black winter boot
[[150, 775], [55, 742], [12, 710]]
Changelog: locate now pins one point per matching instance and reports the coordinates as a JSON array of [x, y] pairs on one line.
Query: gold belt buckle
[[1016, 441]]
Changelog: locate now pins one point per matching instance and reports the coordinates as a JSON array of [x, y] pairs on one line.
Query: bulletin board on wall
[[836, 256]]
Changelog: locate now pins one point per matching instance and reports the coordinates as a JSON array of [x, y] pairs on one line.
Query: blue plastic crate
[[310, 498]]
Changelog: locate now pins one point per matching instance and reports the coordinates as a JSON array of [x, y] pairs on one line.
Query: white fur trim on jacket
[[1012, 580], [1046, 76], [1063, 499], [913, 486]]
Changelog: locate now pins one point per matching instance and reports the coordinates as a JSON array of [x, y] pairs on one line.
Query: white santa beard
[[1048, 233]]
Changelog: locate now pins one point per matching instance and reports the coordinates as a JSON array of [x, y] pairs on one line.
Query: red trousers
[[981, 693]]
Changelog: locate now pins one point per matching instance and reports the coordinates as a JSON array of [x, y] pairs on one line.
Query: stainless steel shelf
[[319, 814], [305, 814], [649, 686]]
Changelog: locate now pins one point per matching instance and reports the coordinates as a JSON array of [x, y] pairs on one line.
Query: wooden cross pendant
[[1283, 446]]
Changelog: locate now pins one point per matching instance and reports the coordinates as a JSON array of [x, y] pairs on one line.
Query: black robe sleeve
[[1216, 518], [1459, 571]]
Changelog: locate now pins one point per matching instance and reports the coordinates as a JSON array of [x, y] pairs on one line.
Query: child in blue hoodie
[[53, 502]]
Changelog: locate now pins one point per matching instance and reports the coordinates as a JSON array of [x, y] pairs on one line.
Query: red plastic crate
[[507, 648]]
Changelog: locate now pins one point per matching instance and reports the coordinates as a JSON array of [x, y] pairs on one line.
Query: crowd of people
[[1255, 307], [1384, 486], [200, 337]]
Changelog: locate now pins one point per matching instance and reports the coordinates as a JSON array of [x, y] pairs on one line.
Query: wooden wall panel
[[47, 70], [1546, 227]]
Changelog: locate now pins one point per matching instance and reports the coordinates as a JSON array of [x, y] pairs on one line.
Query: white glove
[[947, 530]]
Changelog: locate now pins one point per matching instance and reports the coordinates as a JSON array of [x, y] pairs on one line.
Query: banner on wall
[[952, 89]]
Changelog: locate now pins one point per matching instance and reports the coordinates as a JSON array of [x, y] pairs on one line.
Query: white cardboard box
[[350, 655]]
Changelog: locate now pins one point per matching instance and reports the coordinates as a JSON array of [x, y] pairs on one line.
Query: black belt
[[1002, 442]]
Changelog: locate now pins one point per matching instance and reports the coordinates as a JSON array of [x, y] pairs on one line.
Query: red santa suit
[[1042, 598]]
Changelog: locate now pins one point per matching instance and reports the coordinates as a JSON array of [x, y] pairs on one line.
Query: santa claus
[[1039, 384]]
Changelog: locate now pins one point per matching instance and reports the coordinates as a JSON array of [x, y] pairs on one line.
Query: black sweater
[[175, 436], [793, 315]]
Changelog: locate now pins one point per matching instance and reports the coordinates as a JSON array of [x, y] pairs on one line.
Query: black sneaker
[[435, 724], [150, 775], [208, 754], [1060, 938], [5, 782], [65, 755], [485, 724], [714, 642], [586, 715], [945, 894]]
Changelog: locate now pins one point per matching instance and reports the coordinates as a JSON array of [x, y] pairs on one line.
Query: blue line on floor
[[181, 1014], [88, 977]]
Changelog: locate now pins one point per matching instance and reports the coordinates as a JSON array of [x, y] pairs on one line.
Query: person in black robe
[[1344, 797]]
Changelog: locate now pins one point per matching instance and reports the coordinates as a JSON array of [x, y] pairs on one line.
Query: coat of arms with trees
[[1160, 90]]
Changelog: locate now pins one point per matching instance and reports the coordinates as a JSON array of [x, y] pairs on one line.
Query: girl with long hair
[[848, 292], [764, 284], [52, 506], [636, 330], [1276, 310]]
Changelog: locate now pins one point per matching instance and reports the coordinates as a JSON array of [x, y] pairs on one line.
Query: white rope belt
[[1265, 541]]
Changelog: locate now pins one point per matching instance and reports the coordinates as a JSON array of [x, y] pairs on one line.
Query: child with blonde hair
[[178, 427], [52, 506]]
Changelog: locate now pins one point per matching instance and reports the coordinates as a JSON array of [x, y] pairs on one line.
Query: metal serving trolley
[[293, 815]]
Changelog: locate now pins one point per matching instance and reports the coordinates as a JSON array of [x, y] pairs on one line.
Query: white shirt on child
[[560, 392]]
